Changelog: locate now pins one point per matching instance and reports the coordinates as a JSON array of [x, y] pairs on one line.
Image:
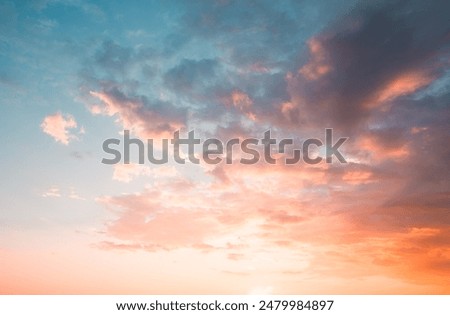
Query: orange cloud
[[403, 84], [358, 177], [381, 151], [242, 102], [318, 66]]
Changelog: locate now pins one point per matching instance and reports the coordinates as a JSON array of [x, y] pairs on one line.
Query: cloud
[[242, 102], [55, 192], [58, 126], [318, 65], [73, 194], [372, 57], [113, 57], [191, 73], [147, 220], [374, 74], [144, 118], [52, 192]]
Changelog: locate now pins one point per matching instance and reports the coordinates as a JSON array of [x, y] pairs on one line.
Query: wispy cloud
[[52, 192]]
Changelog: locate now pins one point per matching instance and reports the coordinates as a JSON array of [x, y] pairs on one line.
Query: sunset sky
[[74, 73]]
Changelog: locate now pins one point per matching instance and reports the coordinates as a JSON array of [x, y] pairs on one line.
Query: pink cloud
[[58, 126], [135, 114], [318, 65], [403, 84], [242, 102]]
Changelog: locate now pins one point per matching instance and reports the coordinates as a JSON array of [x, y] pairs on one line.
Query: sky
[[74, 73]]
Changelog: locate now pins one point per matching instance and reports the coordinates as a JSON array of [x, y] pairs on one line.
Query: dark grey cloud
[[258, 48], [191, 74], [113, 57], [365, 51], [261, 31]]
